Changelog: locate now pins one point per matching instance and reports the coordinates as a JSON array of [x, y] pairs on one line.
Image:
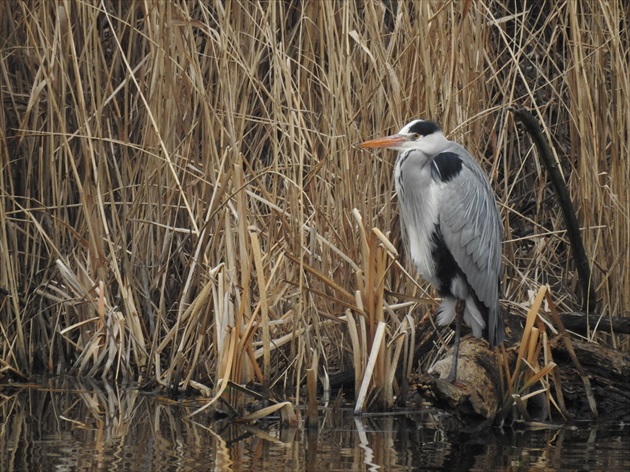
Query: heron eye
[[415, 136]]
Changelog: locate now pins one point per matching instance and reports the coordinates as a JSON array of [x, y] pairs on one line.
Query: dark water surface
[[75, 428]]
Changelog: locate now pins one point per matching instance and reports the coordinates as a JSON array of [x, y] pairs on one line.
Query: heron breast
[[419, 224], [418, 199]]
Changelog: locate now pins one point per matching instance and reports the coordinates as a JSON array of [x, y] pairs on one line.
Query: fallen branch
[[582, 324], [573, 229]]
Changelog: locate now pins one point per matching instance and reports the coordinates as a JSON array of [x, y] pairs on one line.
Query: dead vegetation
[[182, 202]]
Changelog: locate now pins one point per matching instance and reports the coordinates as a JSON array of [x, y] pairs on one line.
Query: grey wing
[[471, 228]]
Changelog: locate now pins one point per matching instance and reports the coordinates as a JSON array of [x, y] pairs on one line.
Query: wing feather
[[471, 228]]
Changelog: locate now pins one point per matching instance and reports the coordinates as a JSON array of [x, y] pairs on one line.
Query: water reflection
[[70, 426]]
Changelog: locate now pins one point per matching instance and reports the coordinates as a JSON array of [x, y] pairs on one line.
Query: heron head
[[420, 135]]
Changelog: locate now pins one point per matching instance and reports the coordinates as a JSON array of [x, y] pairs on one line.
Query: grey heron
[[451, 227]]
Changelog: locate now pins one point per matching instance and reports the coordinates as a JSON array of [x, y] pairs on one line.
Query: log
[[580, 323], [609, 373], [472, 402]]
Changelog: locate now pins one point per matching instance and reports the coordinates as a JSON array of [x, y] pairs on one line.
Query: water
[[71, 427]]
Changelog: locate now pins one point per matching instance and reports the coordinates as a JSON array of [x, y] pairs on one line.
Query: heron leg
[[459, 318]]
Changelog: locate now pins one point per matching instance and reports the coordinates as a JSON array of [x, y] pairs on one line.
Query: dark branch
[[579, 323], [573, 230]]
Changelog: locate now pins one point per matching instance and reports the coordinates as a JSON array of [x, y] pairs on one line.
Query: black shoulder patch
[[424, 128], [446, 269], [446, 166]]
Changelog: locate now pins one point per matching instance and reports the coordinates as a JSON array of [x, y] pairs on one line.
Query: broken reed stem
[[529, 323], [391, 363], [370, 301], [265, 312], [369, 370], [311, 384], [358, 360], [243, 238], [567, 342], [534, 345], [409, 346]]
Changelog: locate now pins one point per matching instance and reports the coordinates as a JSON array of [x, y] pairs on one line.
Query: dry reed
[[181, 201]]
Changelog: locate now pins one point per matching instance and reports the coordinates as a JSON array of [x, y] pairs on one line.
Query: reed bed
[[182, 203]]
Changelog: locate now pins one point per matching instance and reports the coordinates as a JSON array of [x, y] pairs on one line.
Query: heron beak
[[393, 141]]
